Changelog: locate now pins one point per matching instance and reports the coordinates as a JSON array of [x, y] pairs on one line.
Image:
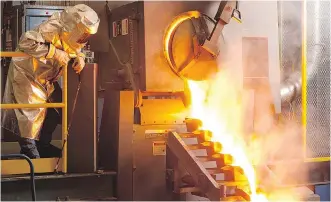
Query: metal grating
[[291, 40], [318, 89]]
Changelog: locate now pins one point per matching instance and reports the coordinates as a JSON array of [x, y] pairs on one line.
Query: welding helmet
[[79, 23]]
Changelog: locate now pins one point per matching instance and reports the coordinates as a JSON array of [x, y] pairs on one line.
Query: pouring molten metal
[[216, 104]]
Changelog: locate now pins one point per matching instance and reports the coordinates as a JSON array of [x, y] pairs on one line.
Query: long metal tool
[[70, 122]]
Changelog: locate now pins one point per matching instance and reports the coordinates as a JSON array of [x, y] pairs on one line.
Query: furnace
[[153, 54], [179, 97]]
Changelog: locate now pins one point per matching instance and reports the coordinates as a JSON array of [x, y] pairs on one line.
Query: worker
[[50, 47]]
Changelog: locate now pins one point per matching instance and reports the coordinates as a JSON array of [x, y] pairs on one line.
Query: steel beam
[[116, 140]]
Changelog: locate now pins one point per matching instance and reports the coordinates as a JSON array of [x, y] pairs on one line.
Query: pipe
[[65, 118], [32, 106], [291, 87], [22, 156], [13, 54]]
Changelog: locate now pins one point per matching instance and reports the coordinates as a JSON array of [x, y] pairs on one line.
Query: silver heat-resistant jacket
[[30, 79]]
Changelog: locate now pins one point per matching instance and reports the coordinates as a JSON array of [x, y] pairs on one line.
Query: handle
[[22, 156]]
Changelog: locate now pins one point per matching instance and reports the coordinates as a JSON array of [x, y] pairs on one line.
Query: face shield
[[80, 23]]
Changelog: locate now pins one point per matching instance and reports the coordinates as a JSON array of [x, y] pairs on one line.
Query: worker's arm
[[34, 44], [41, 42]]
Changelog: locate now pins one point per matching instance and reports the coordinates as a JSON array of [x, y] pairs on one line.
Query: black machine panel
[[135, 152], [82, 141]]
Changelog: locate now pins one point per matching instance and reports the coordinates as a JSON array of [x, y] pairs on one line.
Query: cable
[[22, 156], [116, 54], [129, 72]]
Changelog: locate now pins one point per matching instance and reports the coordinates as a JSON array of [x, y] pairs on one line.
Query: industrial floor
[[75, 187]]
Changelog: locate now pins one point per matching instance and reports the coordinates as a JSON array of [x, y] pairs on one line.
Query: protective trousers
[[43, 148]]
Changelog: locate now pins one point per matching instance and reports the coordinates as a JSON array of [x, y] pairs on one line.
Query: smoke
[[278, 144], [291, 36], [275, 147], [281, 144]]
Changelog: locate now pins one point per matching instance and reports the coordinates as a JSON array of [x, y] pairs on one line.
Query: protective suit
[[33, 79]]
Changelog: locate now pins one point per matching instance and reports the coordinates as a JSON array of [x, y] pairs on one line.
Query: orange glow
[[173, 26], [215, 103]]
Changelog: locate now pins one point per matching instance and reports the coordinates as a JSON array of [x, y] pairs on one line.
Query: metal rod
[[317, 159], [29, 106], [17, 39], [149, 93], [13, 54], [304, 79], [22, 156], [64, 119]]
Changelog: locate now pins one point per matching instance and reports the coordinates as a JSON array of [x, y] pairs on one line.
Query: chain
[[131, 41]]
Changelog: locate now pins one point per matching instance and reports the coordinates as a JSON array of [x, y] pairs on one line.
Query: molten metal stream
[[215, 103], [219, 113]]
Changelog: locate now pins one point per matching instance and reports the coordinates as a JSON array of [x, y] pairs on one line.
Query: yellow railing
[[21, 165]]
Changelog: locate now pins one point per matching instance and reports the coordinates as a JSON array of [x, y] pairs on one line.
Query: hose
[[22, 156], [127, 66], [129, 75]]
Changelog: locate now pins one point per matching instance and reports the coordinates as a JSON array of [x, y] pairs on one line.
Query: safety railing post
[[64, 119]]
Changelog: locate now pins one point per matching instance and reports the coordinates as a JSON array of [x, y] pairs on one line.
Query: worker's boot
[[29, 148], [48, 150]]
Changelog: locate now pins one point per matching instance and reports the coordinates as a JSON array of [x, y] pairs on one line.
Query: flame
[[215, 103]]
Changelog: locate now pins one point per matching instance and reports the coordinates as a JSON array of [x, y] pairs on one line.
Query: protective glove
[[62, 57], [79, 63]]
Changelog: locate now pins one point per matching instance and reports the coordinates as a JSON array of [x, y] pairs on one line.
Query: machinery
[[137, 52], [154, 65], [207, 171], [143, 146]]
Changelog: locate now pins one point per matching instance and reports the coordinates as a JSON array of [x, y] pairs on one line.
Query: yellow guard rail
[[42, 165]]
